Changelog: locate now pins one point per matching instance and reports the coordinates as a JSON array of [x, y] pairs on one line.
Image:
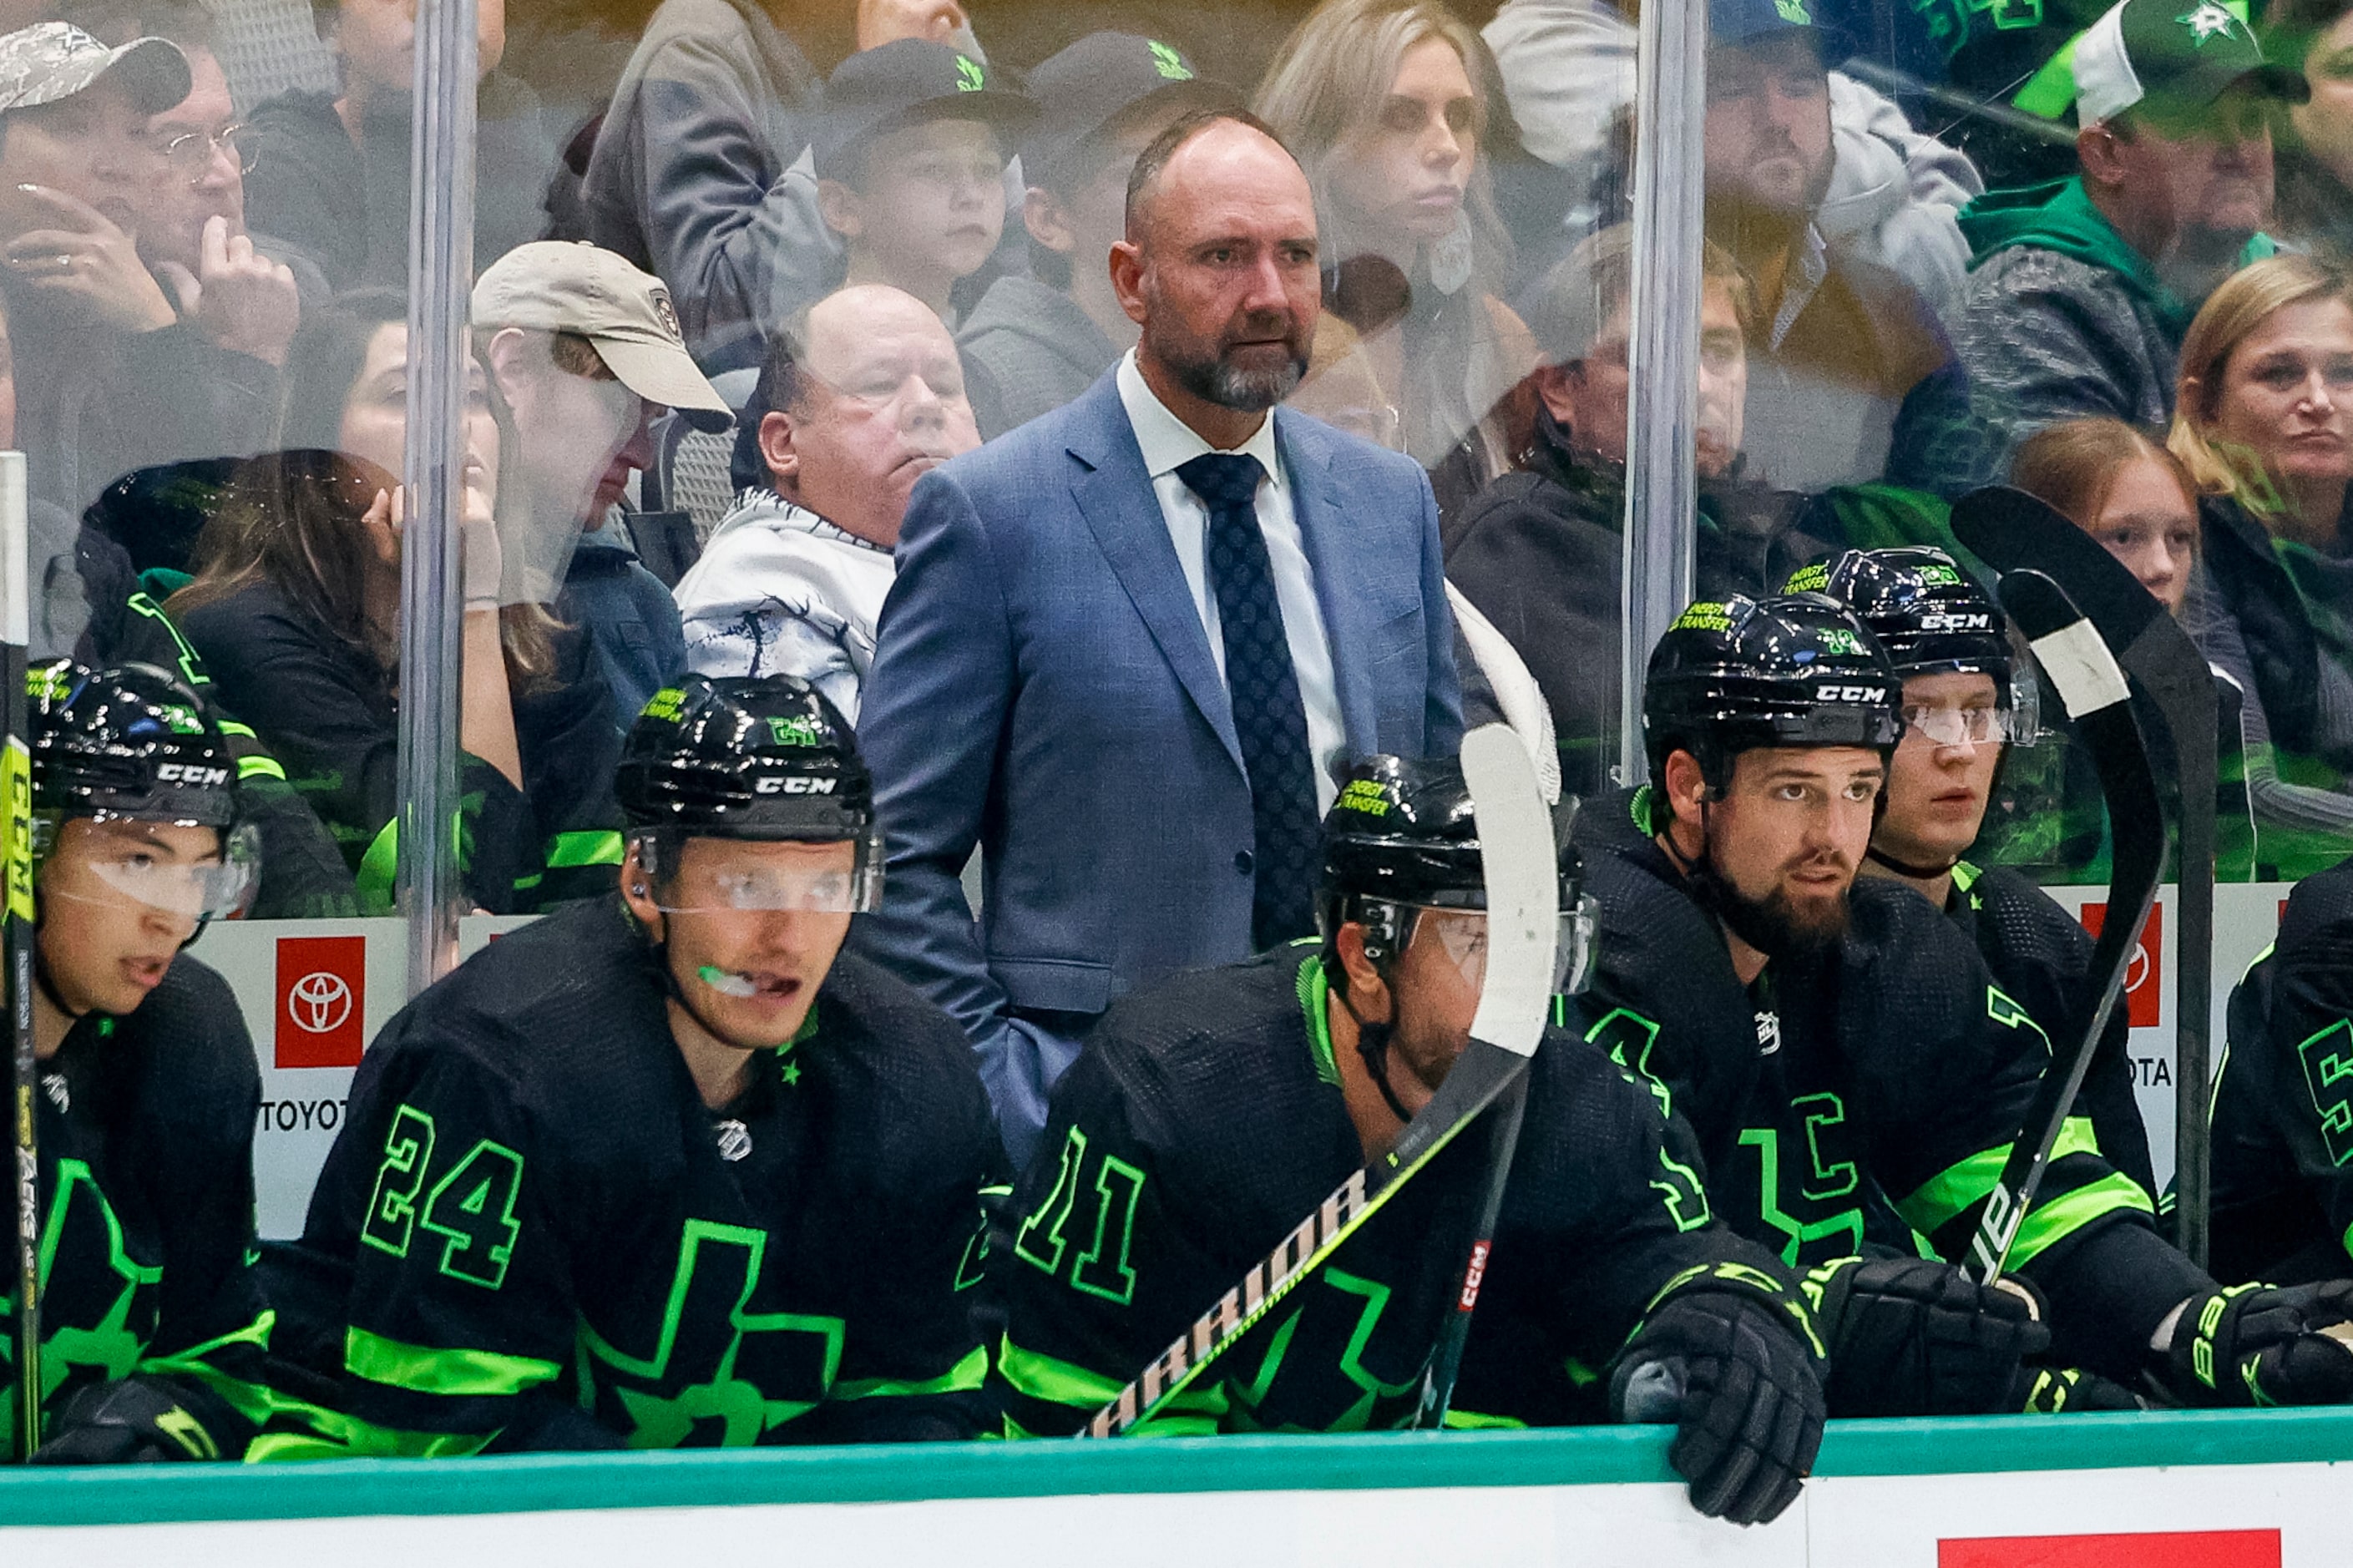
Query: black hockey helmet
[[1732, 676], [1933, 618], [127, 740], [1402, 837], [749, 757], [131, 743]]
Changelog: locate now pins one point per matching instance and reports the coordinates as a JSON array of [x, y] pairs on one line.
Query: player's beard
[[1781, 925], [1202, 369]]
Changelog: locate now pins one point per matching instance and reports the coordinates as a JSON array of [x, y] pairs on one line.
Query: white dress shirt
[[1168, 441]]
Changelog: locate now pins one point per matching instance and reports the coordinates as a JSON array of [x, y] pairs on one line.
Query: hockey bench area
[[2182, 1490]]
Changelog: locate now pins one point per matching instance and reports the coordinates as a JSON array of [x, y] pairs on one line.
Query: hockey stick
[[2009, 529], [1515, 853], [17, 936], [2091, 686]]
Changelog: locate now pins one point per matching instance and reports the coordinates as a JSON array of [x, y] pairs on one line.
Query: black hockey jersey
[[1206, 1118], [2283, 1109], [145, 1124], [531, 1215], [2040, 957], [1865, 1098]]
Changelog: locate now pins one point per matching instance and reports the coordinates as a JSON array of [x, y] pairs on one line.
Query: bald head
[[1218, 271], [877, 403]]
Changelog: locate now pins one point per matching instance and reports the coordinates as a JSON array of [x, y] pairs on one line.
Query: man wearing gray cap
[[1034, 343], [120, 380], [586, 351]]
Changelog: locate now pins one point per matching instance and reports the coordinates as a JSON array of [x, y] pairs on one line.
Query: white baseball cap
[[554, 286]]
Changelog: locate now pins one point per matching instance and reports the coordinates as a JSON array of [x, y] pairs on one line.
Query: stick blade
[[1520, 864]]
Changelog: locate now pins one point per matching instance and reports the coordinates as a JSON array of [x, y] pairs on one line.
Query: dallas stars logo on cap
[[1168, 62], [968, 74], [1794, 13], [2209, 21]]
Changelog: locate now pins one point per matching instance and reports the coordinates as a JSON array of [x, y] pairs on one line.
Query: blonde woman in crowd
[[2263, 423], [1382, 102]]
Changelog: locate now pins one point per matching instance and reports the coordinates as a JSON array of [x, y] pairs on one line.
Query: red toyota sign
[[2179, 1549], [2144, 978], [321, 1001]]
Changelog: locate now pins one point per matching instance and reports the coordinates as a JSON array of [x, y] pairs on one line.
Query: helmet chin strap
[[1907, 868], [1373, 1046]]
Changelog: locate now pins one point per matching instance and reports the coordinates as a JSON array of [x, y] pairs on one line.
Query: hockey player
[[1854, 1077], [151, 1326], [2283, 1121], [1208, 1114], [668, 1168], [1950, 645]]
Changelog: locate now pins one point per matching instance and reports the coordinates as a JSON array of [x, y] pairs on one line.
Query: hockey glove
[[1910, 1336], [2258, 1345], [138, 1420], [1744, 1391], [2068, 1391]]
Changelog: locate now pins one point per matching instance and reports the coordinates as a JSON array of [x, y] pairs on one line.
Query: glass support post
[[440, 279], [1662, 355]]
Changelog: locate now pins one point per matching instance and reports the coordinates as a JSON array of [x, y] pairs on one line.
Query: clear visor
[[1963, 726], [831, 891], [151, 875], [1462, 934]]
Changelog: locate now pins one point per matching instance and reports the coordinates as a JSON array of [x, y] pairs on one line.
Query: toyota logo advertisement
[[321, 994]]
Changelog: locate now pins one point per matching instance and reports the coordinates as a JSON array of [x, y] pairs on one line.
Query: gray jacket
[[1027, 350], [697, 175]]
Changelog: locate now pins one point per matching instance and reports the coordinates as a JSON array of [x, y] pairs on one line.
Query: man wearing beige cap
[[586, 349]]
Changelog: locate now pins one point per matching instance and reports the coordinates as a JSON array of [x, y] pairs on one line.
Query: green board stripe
[[893, 1473]]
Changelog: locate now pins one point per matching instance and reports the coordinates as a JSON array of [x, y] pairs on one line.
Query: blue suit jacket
[[1043, 688]]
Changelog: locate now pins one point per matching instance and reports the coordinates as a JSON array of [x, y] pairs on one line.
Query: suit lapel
[[1114, 493], [1343, 592]]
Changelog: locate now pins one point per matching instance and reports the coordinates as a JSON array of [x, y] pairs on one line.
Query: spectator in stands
[[1893, 195], [124, 382], [910, 158], [1539, 551], [1048, 685], [2082, 292], [1851, 378], [331, 172], [2126, 491], [2265, 424], [1034, 343], [854, 406], [295, 610], [1414, 348], [2313, 157], [586, 350], [697, 177], [249, 307]]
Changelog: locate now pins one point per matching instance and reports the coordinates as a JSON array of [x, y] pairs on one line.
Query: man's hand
[[81, 263], [238, 298], [1745, 1394], [2256, 1344], [1910, 1336], [883, 22], [133, 1421]]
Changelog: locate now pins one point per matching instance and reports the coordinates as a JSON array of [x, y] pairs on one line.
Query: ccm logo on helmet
[[1978, 622], [196, 774], [797, 785], [1849, 694]]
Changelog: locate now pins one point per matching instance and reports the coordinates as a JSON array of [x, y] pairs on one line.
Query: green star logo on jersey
[[2209, 21]]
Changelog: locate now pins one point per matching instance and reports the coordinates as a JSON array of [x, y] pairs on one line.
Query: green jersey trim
[[1050, 1381], [967, 1374], [1472, 1421], [433, 1370], [1314, 1007], [566, 850], [1945, 1196], [2060, 1217]]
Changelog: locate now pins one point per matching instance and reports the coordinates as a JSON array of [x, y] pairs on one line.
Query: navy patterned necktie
[[1268, 717]]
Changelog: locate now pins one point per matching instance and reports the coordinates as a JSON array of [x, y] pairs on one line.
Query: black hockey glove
[[138, 1420], [1743, 1388], [1910, 1336], [2259, 1344], [2068, 1391]]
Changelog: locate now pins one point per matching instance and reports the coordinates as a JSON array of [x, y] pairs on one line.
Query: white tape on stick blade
[[2080, 664], [1516, 854]]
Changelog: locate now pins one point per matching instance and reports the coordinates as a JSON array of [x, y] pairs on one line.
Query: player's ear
[[637, 890], [1368, 993], [1686, 786]]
